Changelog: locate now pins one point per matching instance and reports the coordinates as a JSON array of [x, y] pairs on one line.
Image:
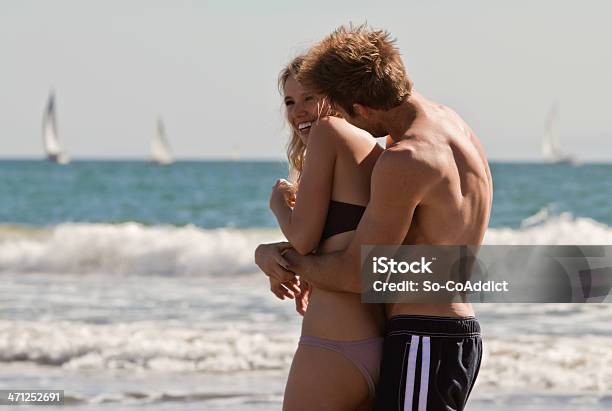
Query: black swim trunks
[[429, 363]]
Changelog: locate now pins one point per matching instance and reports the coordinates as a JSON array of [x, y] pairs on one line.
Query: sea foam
[[520, 363], [144, 346], [132, 248]]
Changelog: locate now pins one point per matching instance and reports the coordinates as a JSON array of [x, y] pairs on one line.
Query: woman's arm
[[303, 224]]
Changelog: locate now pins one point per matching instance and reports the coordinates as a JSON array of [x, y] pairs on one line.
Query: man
[[432, 185]]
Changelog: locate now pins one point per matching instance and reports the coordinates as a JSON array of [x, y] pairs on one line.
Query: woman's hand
[[295, 289], [303, 297], [283, 194], [285, 289]]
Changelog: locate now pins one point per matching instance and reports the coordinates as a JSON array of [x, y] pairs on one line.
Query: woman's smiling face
[[302, 107]]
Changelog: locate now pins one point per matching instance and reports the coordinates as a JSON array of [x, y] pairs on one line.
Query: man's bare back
[[455, 210]]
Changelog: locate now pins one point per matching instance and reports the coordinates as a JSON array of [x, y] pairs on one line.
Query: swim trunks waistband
[[433, 326]]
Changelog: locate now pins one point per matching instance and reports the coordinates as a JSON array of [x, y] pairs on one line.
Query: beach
[[129, 286]]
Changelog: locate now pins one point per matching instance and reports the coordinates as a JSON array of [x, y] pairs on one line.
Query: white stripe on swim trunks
[[410, 372], [424, 375]]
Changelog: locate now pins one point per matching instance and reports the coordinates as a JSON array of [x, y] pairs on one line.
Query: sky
[[210, 68]]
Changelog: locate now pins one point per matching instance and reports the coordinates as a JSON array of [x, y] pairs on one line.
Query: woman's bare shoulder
[[339, 130]]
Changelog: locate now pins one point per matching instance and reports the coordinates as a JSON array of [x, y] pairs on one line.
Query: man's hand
[[270, 260], [288, 289]]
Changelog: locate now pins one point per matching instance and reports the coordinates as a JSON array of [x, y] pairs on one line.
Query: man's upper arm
[[399, 183]]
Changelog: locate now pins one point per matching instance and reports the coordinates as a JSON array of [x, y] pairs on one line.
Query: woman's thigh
[[325, 380]]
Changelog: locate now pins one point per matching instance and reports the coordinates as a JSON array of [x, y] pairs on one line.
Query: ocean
[[132, 286]]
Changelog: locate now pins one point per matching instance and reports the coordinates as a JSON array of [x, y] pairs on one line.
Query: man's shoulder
[[410, 156], [405, 164]]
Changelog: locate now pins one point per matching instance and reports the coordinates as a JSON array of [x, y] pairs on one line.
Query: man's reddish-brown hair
[[357, 65]]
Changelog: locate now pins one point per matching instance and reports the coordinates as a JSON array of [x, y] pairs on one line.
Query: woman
[[336, 364]]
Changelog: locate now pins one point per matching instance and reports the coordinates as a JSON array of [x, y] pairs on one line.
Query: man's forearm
[[330, 272]]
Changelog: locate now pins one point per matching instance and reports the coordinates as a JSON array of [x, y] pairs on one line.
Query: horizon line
[[266, 159]]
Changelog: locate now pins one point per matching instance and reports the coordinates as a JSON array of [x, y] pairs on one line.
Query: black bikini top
[[341, 217]]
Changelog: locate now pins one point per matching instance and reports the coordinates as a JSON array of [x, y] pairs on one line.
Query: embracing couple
[[430, 185]]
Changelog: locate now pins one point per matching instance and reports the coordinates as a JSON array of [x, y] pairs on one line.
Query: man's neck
[[399, 119]]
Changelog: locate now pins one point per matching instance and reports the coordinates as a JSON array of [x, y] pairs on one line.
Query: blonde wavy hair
[[296, 149]]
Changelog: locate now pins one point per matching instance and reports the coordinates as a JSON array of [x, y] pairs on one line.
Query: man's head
[[360, 71]]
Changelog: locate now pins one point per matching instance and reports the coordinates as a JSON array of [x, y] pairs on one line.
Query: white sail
[[160, 149], [235, 153], [551, 147], [51, 143]]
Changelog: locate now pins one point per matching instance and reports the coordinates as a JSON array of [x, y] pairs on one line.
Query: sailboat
[[53, 149], [235, 153], [160, 149], [551, 148]]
